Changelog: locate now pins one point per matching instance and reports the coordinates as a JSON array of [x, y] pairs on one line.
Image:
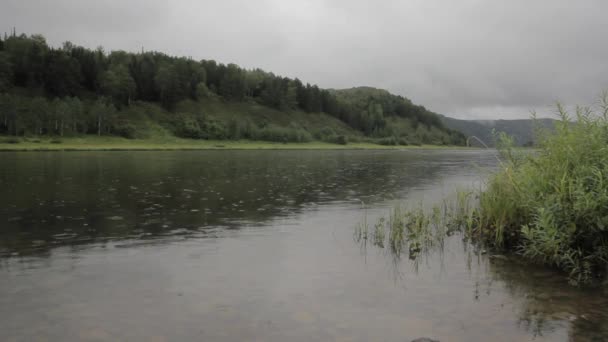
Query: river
[[257, 246]]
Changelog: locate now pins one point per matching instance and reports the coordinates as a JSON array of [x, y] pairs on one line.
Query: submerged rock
[[424, 339]]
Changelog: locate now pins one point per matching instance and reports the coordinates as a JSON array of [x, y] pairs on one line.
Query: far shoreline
[[107, 143]]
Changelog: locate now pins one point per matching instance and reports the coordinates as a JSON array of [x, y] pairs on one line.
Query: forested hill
[[73, 90]]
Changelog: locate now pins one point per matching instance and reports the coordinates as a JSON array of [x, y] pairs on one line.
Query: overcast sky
[[466, 58]]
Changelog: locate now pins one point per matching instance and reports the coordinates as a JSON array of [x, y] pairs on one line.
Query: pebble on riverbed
[[424, 339]]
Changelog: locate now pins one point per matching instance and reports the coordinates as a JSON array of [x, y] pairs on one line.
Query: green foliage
[[406, 230], [341, 140], [388, 141], [11, 140], [551, 205], [187, 126], [118, 84], [382, 115], [232, 86], [106, 83], [124, 129], [403, 141], [6, 72], [282, 134]]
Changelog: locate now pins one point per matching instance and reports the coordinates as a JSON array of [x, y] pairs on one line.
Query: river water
[[257, 246]]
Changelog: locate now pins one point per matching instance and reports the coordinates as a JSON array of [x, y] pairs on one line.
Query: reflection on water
[[53, 199], [228, 246]]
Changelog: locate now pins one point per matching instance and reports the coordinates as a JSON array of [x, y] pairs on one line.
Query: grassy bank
[[94, 143], [550, 207]]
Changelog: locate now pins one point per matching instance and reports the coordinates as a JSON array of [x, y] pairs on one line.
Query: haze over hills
[[522, 130]]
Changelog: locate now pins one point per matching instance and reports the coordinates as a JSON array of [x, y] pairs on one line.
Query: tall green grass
[[550, 206]]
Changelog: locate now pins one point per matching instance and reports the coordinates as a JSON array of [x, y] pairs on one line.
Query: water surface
[[256, 246]]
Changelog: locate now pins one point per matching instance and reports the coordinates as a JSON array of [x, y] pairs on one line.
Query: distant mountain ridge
[[522, 130]]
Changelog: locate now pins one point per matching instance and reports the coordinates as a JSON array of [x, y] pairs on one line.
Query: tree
[[202, 91], [100, 111], [143, 70], [189, 74], [118, 84], [272, 92], [232, 85], [315, 99], [61, 115], [75, 113], [213, 72], [90, 63], [253, 82], [35, 116], [6, 73], [290, 96], [166, 83], [79, 78], [8, 114], [62, 74], [27, 55]]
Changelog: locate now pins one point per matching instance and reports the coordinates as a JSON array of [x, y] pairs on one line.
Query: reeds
[[550, 206]]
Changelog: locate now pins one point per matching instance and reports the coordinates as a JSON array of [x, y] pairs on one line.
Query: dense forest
[[74, 90]]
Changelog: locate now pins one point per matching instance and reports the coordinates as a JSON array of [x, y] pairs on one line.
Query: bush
[[56, 141], [186, 126], [325, 134], [389, 141], [283, 134], [125, 130], [552, 206], [403, 141], [212, 129], [11, 140], [341, 140]]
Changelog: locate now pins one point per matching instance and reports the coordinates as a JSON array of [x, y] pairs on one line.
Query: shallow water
[[256, 246]]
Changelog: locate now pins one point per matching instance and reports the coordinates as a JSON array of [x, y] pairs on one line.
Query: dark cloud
[[470, 58]]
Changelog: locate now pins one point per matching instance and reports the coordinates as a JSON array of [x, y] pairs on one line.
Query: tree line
[[72, 89]]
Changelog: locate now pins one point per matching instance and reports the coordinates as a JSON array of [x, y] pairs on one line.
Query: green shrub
[[341, 140], [324, 134], [283, 134], [403, 141], [56, 141], [233, 129], [186, 126], [212, 129], [550, 205], [388, 141], [355, 139], [125, 130], [11, 140], [335, 139]]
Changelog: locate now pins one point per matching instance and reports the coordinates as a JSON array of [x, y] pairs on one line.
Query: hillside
[[72, 90], [522, 130], [401, 119]]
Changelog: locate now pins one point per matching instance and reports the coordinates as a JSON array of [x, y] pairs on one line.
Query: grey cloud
[[470, 58]]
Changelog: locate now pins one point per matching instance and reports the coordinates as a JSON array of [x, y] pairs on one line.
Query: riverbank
[[548, 207], [94, 143]]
